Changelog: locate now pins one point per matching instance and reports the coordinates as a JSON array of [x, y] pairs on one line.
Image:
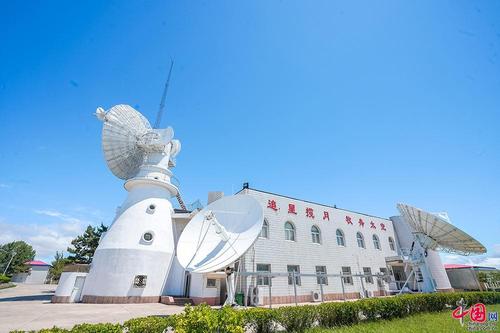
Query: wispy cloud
[[491, 259], [46, 238], [59, 215], [3, 185]]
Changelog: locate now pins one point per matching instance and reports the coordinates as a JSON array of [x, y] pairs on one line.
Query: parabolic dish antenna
[[220, 234], [123, 128], [435, 232]]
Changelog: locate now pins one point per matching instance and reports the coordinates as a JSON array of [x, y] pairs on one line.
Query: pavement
[[28, 307]]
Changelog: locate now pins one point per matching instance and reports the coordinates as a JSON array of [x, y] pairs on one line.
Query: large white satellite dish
[[220, 234], [435, 232], [123, 127]]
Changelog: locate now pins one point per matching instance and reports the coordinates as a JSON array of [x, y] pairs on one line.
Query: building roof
[[456, 266], [36, 263], [312, 202]]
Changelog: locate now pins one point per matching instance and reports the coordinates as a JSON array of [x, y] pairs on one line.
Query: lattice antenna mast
[[163, 97]]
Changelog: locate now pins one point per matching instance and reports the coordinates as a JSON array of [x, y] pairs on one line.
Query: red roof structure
[[36, 263], [451, 266]]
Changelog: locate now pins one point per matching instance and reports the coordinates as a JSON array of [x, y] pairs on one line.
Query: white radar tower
[[133, 259]]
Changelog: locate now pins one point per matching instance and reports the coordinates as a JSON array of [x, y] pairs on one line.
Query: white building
[[309, 238], [303, 238], [36, 274]]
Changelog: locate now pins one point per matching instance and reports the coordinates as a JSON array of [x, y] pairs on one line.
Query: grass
[[424, 322]]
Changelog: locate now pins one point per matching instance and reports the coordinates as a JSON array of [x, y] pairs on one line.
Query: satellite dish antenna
[[434, 232], [219, 235], [122, 129]]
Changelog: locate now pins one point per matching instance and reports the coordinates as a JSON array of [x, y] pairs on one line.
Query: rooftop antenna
[[158, 121], [164, 96]]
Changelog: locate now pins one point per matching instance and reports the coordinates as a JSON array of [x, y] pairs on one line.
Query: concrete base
[[60, 299], [120, 299], [450, 290]]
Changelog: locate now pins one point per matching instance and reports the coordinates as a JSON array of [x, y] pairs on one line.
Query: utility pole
[[8, 264]]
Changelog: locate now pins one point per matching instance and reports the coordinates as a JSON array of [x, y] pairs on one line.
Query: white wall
[[303, 252], [36, 275]]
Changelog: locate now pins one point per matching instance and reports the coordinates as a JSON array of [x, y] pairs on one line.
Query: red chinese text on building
[[272, 204], [309, 213], [348, 220], [361, 223], [291, 209], [382, 227], [326, 216], [372, 225]]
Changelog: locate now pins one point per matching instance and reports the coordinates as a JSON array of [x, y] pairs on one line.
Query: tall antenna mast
[[164, 97]]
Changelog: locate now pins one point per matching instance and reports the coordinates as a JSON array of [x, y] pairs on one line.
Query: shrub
[[260, 320], [296, 318], [54, 330], [96, 328], [337, 314], [150, 324], [203, 319], [4, 279]]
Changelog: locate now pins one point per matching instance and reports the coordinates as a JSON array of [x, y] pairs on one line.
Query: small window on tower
[[148, 237], [151, 209]]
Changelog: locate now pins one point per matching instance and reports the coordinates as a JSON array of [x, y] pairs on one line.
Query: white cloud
[[55, 213], [46, 238], [2, 185], [491, 259]]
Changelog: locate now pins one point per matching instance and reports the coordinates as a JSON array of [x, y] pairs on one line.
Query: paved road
[[28, 307]]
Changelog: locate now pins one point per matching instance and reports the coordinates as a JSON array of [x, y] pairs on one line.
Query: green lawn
[[426, 322]]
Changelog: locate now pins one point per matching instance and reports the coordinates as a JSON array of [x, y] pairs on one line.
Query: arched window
[[289, 231], [264, 232], [340, 237], [360, 239], [376, 242], [391, 244], [316, 235]]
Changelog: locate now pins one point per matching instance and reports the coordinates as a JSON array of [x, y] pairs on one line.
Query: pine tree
[[85, 245], [57, 266]]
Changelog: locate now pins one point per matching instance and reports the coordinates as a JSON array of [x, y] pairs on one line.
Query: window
[[376, 242], [264, 233], [368, 271], [391, 244], [346, 271], [321, 279], [360, 239], [296, 269], [211, 283], [289, 231], [263, 280], [148, 237], [316, 235], [340, 237]]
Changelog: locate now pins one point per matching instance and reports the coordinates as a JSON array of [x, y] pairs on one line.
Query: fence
[[341, 284]]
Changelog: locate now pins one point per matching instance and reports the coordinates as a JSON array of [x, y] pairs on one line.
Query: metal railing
[[378, 279]]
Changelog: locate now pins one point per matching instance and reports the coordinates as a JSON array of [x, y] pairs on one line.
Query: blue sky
[[357, 104]]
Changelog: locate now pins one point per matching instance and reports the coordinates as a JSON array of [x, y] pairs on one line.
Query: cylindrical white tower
[[132, 262]]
